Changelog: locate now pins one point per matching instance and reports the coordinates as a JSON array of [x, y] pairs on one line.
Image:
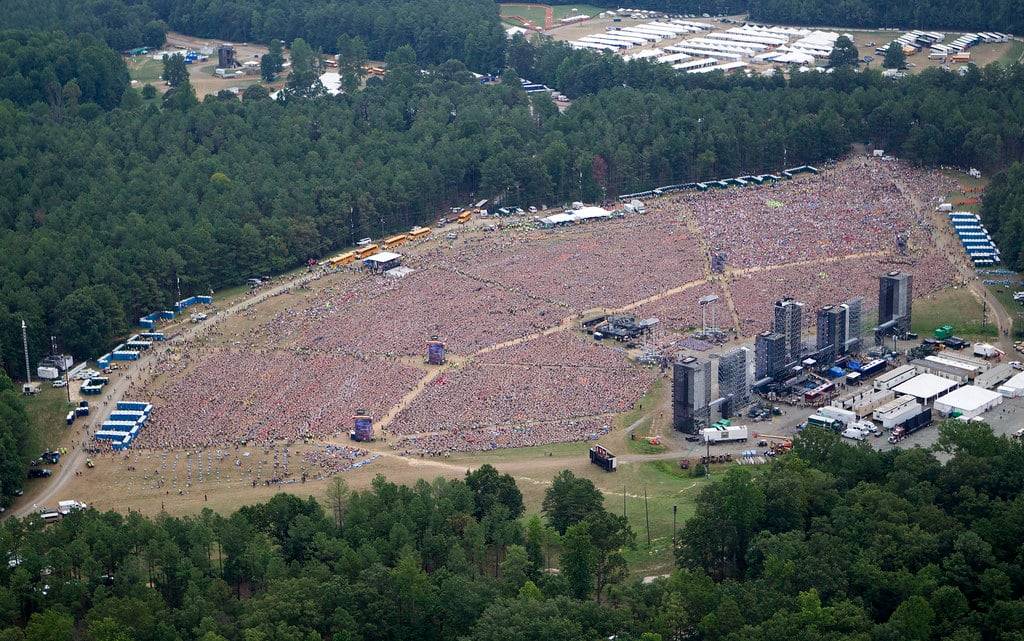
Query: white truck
[[985, 350], [725, 434], [66, 507]]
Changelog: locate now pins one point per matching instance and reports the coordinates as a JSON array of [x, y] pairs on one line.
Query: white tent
[[969, 401]]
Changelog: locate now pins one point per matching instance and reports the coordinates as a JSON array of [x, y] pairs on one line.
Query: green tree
[[272, 62], [491, 488], [304, 79], [894, 57], [352, 58], [175, 71], [49, 625], [15, 441], [578, 559], [844, 54], [569, 500]]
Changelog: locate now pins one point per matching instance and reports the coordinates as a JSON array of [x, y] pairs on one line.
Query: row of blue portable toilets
[[124, 423]]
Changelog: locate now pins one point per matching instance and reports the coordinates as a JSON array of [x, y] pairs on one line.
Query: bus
[[343, 259], [367, 251], [464, 217], [395, 241], [419, 232]]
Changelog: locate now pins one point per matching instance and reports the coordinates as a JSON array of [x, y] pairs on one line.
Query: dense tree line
[[102, 212], [955, 15], [17, 443], [833, 541], [1003, 213], [437, 30], [51, 68], [122, 24]]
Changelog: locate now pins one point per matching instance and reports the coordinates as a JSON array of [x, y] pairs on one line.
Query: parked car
[[39, 473]]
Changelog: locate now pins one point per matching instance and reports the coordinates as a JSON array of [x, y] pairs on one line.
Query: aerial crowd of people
[[507, 304]]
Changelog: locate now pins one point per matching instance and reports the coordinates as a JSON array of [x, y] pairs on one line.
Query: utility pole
[[623, 501], [675, 508], [24, 346]]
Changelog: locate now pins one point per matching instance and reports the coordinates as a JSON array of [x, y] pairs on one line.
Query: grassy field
[[145, 69], [46, 415], [666, 486], [1015, 53], [956, 307], [1013, 308], [641, 417], [536, 13]]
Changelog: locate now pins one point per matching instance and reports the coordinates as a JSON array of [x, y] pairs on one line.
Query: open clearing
[[957, 307]]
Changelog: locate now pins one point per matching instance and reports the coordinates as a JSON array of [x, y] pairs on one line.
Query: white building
[[969, 401], [925, 387]]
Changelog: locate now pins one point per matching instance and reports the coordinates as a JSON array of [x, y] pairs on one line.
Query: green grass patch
[[535, 14], [667, 486], [145, 70], [1013, 308], [514, 454], [640, 419], [956, 307], [47, 414], [1014, 53]]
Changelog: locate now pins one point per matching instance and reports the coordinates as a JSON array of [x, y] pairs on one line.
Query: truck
[[985, 350], [725, 434], [66, 507], [911, 425], [825, 422], [846, 417], [603, 458]]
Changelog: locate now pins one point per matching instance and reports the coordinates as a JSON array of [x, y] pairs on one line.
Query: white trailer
[[846, 417], [725, 434]]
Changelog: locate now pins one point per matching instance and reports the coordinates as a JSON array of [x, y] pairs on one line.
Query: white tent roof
[[969, 398], [382, 257], [1017, 382], [925, 386]]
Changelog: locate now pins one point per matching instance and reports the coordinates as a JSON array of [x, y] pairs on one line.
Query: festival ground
[[253, 402]]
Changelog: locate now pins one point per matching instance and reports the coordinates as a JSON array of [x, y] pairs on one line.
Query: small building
[[382, 261], [226, 58], [892, 378], [925, 387], [952, 372], [968, 402], [896, 411]]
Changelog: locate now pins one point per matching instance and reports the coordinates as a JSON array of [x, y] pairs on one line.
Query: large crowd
[[222, 396], [504, 436], [609, 263], [557, 379], [854, 207], [396, 316], [357, 341]]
